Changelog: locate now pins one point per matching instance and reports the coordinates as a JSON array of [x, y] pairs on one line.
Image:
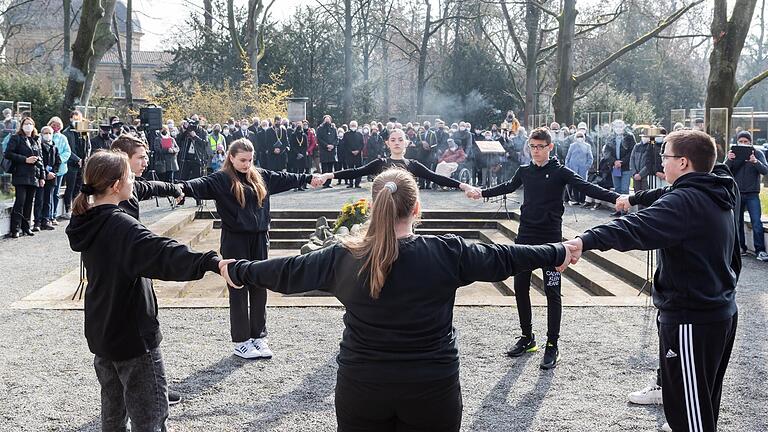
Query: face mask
[[580, 139], [340, 136], [47, 137], [454, 147], [56, 127], [305, 127], [644, 139], [243, 126], [462, 129], [453, 130], [487, 137], [618, 129], [572, 131], [28, 128], [365, 131], [659, 140], [354, 129]]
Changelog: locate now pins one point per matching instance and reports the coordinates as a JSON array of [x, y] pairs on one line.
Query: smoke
[[453, 107]]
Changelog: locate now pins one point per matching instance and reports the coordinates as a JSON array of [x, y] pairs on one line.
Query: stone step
[[331, 214], [304, 234], [424, 223]]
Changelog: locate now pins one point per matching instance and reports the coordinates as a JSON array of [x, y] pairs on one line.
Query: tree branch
[[613, 57], [748, 86], [511, 29]]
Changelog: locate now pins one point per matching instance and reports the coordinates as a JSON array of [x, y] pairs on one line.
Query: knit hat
[[744, 134]]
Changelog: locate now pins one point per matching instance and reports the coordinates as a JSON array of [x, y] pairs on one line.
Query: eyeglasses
[[664, 156], [538, 147]]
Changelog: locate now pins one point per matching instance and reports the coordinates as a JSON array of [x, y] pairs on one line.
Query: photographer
[[195, 153], [102, 140], [166, 150], [80, 145], [746, 172]]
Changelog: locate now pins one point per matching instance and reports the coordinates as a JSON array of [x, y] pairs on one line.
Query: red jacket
[[311, 141], [457, 156]]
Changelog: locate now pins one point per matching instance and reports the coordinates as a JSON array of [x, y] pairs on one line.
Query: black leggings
[[22, 208], [389, 407], [247, 305], [552, 282]]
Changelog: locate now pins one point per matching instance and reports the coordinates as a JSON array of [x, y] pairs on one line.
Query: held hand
[[41, 183], [50, 176], [752, 158], [576, 249], [731, 155], [180, 198], [31, 159], [223, 271], [637, 177], [317, 180], [277, 151], [622, 203], [569, 249]]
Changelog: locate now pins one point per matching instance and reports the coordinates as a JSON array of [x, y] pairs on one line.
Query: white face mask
[[487, 137], [645, 139], [580, 139], [340, 136], [462, 129], [47, 137], [28, 128], [354, 129], [659, 140], [365, 131], [618, 129], [454, 147]]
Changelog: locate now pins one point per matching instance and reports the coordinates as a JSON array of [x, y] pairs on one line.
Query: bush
[[44, 90], [605, 98]]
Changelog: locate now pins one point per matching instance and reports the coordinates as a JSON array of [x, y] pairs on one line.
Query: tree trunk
[[385, 78], [728, 37], [82, 51], [208, 19], [532, 19], [422, 70], [67, 5], [564, 96], [103, 41], [232, 27], [128, 69], [346, 102]]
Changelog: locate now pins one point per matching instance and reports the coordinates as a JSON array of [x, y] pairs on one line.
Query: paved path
[[47, 381]]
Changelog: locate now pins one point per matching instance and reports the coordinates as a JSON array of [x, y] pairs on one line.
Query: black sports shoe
[[173, 397], [524, 344], [551, 356]]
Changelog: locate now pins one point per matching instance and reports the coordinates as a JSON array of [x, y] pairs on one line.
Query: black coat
[[80, 145], [625, 153], [51, 160], [298, 146], [18, 150], [353, 141], [275, 139], [326, 136]]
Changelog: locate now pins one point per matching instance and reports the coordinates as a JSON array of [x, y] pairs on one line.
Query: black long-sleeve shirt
[[376, 166], [693, 225], [541, 214], [407, 334], [249, 219], [119, 254], [146, 189]]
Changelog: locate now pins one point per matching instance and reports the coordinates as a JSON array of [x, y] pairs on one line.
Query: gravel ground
[[47, 380]]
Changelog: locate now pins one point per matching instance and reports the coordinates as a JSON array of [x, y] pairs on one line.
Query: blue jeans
[[621, 184], [56, 189], [751, 201], [135, 388]]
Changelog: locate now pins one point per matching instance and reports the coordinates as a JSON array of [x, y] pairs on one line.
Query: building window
[[118, 90]]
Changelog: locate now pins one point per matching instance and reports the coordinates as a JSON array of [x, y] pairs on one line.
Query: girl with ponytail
[[120, 256], [242, 192], [398, 289]]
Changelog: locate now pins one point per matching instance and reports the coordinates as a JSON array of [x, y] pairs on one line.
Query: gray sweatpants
[[135, 389]]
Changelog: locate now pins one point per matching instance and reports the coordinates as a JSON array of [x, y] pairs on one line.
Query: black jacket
[[407, 334], [146, 189], [252, 218], [747, 174], [353, 141], [541, 214], [327, 136], [692, 223], [80, 145], [297, 149], [200, 153], [51, 160], [101, 142], [120, 255], [625, 151], [18, 150]]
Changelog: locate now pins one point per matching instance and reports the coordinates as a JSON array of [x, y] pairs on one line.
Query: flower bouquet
[[352, 214]]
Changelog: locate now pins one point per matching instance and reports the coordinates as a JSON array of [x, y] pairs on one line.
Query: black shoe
[[551, 356], [173, 397], [36, 228], [358, 187], [596, 206], [13, 235], [327, 187], [27, 232], [524, 344], [350, 186], [587, 205], [743, 252]]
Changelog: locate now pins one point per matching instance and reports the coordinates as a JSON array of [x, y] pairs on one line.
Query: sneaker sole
[[551, 366], [529, 350], [651, 401], [172, 403]]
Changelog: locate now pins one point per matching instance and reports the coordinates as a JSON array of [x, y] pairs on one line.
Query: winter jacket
[[641, 160], [627, 144], [579, 158], [19, 149], [747, 174], [62, 145]]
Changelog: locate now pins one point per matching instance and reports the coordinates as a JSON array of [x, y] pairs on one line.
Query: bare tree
[[126, 64], [82, 51], [103, 41]]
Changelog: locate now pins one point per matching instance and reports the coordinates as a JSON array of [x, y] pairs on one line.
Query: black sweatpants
[[74, 180], [21, 214], [552, 284], [247, 305], [693, 360], [389, 407]]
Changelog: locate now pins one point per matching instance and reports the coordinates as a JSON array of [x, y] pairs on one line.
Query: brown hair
[[540, 133], [101, 171], [377, 241], [252, 177], [696, 146], [128, 144], [21, 127]]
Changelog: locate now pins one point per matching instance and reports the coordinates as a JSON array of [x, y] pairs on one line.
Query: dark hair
[[376, 243], [21, 127], [696, 146], [100, 172], [128, 144], [540, 133]]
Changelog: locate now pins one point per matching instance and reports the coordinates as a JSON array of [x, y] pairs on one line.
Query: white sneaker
[[762, 256], [246, 350], [665, 427], [260, 344], [650, 395]]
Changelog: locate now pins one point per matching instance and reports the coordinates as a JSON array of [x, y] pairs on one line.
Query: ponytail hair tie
[[87, 189], [391, 186]]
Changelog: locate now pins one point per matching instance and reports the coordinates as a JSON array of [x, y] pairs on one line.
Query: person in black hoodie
[[398, 358], [242, 194], [397, 144], [120, 257], [694, 228], [541, 220]]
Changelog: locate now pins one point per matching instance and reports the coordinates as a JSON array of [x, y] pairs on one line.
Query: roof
[[147, 58], [34, 12]]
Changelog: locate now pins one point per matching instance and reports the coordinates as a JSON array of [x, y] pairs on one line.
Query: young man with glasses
[[541, 220], [692, 224]]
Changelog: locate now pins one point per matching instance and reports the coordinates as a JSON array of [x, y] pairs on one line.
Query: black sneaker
[[173, 397], [551, 356], [524, 344]]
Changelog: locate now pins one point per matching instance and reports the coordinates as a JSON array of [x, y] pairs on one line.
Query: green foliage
[[605, 98], [44, 90]]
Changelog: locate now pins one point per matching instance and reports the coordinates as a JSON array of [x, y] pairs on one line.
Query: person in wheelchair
[[452, 163]]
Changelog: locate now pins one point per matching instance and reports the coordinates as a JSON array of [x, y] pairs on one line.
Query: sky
[[159, 17]]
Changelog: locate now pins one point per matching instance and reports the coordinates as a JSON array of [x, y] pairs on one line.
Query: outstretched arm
[[590, 189], [282, 181], [149, 189], [419, 170], [208, 187], [496, 262], [507, 187], [372, 168]]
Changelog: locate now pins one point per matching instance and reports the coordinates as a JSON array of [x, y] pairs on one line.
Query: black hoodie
[[692, 224], [119, 253]]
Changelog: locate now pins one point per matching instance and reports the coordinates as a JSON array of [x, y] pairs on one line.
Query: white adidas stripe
[[688, 369]]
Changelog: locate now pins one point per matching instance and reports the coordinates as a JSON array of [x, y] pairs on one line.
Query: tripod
[[83, 282], [650, 256]]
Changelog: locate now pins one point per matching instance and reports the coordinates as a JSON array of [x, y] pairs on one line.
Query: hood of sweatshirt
[[84, 228], [718, 185], [553, 163]]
